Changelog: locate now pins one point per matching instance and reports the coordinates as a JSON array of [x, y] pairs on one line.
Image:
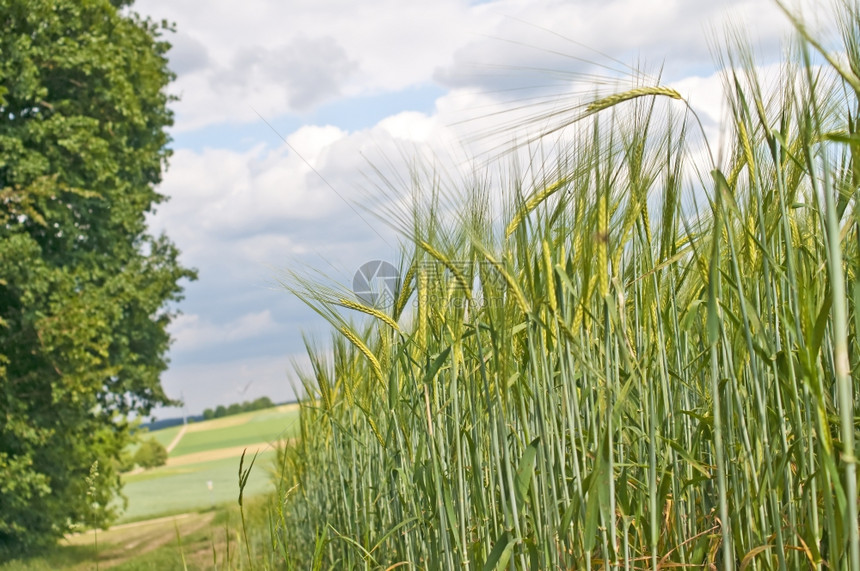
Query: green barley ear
[[343, 302], [511, 281], [615, 99], [442, 259], [533, 203], [406, 289], [360, 345]]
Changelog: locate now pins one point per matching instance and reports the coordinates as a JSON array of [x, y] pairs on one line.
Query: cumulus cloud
[[191, 332], [245, 217], [545, 47], [307, 70], [187, 54], [278, 58], [230, 195]]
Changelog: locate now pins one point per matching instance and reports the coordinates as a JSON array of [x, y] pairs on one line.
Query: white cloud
[[277, 58], [266, 203], [280, 57], [553, 47], [307, 72], [187, 54], [193, 332], [222, 195], [410, 126]]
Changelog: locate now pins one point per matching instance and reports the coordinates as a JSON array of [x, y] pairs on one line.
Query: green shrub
[[150, 454]]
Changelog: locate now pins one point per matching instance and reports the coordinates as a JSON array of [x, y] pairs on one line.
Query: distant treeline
[[178, 420], [236, 408]]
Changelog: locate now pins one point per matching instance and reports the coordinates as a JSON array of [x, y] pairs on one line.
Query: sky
[[287, 109]]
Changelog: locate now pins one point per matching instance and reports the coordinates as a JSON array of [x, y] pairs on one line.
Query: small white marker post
[[211, 495]]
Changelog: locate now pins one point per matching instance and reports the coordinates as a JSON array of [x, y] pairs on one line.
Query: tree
[[85, 291], [262, 403], [150, 454]]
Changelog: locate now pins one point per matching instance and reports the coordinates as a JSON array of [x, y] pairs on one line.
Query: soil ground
[[131, 540]]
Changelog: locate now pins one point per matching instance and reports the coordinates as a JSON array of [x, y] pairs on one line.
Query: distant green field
[[250, 428], [164, 436], [185, 488]]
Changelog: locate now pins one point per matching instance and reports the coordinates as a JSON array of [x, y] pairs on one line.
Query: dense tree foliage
[[84, 289]]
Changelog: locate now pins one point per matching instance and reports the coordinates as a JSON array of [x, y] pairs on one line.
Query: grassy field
[[185, 488], [239, 430], [209, 451], [193, 541], [176, 498], [163, 436]]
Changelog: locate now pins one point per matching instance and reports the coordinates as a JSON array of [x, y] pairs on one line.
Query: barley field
[[647, 358], [208, 453]]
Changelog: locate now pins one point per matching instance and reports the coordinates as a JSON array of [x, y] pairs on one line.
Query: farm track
[[128, 541], [177, 438]]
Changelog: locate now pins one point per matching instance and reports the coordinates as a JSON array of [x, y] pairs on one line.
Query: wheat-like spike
[[579, 314], [405, 289], [467, 289], [550, 277], [736, 170], [602, 245], [512, 283], [359, 344], [629, 221], [750, 242], [422, 308], [384, 352], [375, 430], [747, 147], [615, 99], [532, 203], [369, 311]]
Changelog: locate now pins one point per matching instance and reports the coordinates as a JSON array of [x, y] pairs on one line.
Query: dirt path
[[143, 523], [125, 542], [177, 438]]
